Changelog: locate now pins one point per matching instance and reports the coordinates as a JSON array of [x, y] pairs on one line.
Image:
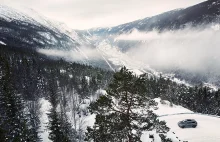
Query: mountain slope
[[20, 30], [179, 31], [203, 13], [28, 29]]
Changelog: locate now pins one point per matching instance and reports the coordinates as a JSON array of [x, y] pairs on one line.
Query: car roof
[[189, 120]]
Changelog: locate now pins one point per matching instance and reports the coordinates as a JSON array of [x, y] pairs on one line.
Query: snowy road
[[206, 131]]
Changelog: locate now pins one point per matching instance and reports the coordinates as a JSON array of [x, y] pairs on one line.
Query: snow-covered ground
[[45, 107], [166, 108], [206, 131]]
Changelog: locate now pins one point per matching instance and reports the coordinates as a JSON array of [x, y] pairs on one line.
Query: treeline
[[201, 99], [27, 76]]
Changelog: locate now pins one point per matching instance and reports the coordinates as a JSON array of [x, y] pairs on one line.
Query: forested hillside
[[202, 99], [26, 76]]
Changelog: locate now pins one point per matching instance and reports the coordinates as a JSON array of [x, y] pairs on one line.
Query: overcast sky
[[84, 14]]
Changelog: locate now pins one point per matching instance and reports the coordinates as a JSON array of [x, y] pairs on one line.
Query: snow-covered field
[[166, 108], [45, 107]]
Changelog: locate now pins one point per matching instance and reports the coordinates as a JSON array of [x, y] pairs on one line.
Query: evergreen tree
[[99, 79], [2, 134], [33, 112], [60, 128], [124, 112], [13, 119], [56, 134], [164, 138], [84, 90], [93, 85]]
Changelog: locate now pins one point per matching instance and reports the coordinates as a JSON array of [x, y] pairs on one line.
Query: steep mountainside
[[28, 29], [21, 30]]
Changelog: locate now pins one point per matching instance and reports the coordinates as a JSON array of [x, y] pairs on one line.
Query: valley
[[121, 83]]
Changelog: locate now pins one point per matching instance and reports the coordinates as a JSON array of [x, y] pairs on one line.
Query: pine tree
[[123, 113], [164, 138], [2, 134], [56, 134], [13, 119], [93, 85], [33, 120], [60, 128], [84, 90]]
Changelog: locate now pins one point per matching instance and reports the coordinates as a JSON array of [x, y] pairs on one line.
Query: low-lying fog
[[194, 50]]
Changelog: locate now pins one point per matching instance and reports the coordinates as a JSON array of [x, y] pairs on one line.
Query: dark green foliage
[[200, 98], [33, 120], [29, 74], [84, 88], [123, 113], [164, 139], [55, 127], [60, 128], [94, 85], [2, 134], [13, 119]]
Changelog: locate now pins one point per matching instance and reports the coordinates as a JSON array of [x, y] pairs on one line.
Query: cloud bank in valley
[[77, 54], [189, 49]]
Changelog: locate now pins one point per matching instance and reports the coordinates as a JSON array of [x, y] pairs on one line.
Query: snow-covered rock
[[1, 42]]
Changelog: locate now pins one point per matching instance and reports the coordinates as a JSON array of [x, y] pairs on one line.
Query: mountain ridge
[[109, 53], [170, 20]]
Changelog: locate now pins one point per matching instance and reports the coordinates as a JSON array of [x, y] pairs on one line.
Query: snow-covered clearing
[[166, 108], [45, 107], [206, 131]]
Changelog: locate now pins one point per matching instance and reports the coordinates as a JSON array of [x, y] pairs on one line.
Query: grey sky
[[83, 14]]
